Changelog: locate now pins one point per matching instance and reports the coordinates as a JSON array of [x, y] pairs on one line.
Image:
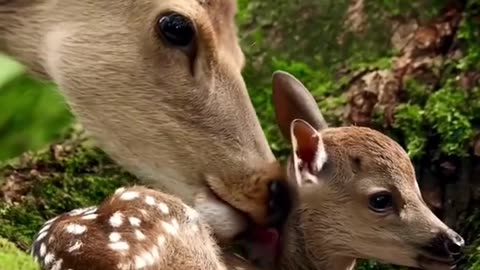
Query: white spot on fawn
[[51, 220], [164, 208], [91, 210], [160, 240], [149, 200], [114, 237], [45, 228], [148, 257], [129, 195], [75, 246], [41, 236], [43, 250], [191, 213], [139, 235], [119, 190], [49, 258], [57, 265], [119, 246], [140, 262], [175, 223], [169, 228], [134, 221], [76, 228], [90, 217], [116, 220]]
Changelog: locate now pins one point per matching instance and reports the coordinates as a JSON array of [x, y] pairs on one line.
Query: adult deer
[[357, 198], [158, 84]]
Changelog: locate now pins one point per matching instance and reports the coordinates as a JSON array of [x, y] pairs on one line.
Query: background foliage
[[326, 44]]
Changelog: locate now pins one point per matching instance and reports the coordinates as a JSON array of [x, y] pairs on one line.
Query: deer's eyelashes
[[380, 202], [176, 30]]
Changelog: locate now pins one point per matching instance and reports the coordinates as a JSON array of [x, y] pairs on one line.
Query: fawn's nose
[[453, 243], [446, 244]]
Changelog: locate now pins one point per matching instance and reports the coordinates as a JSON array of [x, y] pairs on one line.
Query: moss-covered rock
[[39, 186]]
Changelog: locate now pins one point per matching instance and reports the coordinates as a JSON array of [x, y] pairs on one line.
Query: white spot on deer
[[140, 262], [90, 210], [119, 190], [148, 257], [76, 246], [123, 266], [155, 253], [164, 208], [129, 195], [119, 246], [175, 224], [169, 228], [139, 235], [114, 237], [195, 228], [43, 250], [116, 220], [51, 220], [135, 222], [149, 200], [160, 240], [41, 236], [90, 217], [191, 213], [57, 265], [45, 228], [49, 258], [76, 212], [76, 228]]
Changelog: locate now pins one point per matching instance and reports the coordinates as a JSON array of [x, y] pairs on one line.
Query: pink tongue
[[268, 238]]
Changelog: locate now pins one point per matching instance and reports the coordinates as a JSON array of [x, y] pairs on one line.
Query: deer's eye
[[176, 29], [381, 202]]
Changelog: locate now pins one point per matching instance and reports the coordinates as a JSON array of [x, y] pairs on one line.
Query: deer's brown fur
[[336, 171], [182, 122]]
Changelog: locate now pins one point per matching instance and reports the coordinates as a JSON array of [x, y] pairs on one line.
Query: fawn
[[158, 84], [356, 197]]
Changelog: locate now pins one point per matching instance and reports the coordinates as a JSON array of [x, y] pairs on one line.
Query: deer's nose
[[453, 243]]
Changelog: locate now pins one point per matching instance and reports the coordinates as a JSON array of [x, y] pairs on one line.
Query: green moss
[[410, 120], [448, 113], [12, 258], [45, 184]]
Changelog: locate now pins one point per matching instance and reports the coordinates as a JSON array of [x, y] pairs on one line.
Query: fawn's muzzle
[[446, 244]]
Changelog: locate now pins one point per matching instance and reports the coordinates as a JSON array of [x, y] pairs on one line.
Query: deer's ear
[[292, 100], [309, 153]]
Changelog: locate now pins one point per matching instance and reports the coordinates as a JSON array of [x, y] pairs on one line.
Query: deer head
[[358, 195], [159, 85]]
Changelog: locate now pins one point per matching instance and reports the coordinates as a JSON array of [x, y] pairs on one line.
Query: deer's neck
[[300, 252], [22, 30]]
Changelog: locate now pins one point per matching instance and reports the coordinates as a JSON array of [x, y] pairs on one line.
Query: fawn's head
[[358, 195]]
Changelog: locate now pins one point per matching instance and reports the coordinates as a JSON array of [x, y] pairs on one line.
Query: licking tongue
[[267, 242]]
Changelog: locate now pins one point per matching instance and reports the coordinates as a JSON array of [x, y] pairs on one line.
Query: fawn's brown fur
[[337, 172], [180, 118]]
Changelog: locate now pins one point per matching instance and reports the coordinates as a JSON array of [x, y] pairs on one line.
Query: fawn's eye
[[381, 202], [176, 29]]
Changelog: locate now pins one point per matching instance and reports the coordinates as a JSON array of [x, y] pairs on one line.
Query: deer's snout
[[453, 243], [446, 244]]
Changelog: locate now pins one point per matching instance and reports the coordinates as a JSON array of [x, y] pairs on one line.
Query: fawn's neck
[[298, 252]]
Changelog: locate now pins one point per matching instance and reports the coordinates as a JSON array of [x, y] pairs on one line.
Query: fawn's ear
[[292, 100], [309, 154]]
